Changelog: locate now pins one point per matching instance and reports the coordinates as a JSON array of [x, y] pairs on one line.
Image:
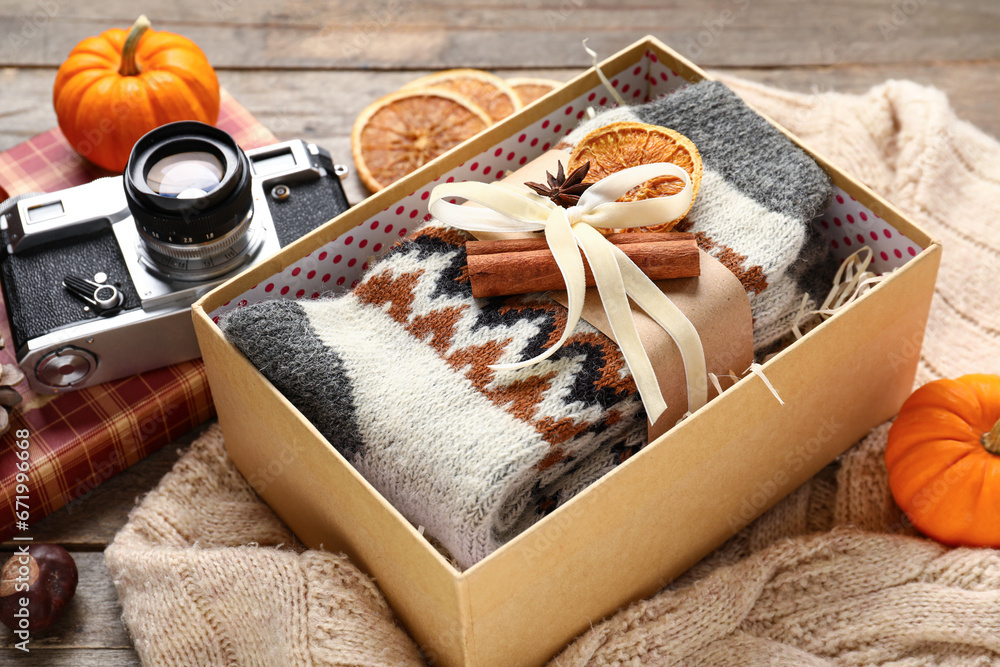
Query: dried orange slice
[[491, 93], [530, 89], [628, 144], [398, 133]]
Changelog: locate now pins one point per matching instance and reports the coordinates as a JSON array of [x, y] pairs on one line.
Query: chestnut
[[36, 584]]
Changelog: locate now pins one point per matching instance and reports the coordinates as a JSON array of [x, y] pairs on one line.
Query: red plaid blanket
[[80, 439]]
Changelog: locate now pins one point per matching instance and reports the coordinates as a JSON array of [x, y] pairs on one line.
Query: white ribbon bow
[[616, 276]]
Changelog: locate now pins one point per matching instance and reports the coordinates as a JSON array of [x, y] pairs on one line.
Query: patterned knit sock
[[758, 194], [395, 374]]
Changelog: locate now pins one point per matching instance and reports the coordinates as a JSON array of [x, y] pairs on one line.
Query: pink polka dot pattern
[[338, 265], [660, 78], [848, 225]]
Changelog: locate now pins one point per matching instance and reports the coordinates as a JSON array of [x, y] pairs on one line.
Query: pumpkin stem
[[991, 440], [129, 67]]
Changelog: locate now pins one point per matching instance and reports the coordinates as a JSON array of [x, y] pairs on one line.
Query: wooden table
[[306, 69]]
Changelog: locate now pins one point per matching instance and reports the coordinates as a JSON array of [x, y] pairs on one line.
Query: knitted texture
[[759, 192], [382, 370], [396, 375], [867, 590], [208, 575], [832, 575]]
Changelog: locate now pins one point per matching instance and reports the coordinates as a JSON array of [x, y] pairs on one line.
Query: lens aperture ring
[[212, 246], [195, 226]]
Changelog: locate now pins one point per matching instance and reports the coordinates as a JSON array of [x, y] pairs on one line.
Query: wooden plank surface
[[92, 618], [87, 657], [306, 69], [91, 632], [320, 106], [394, 34]]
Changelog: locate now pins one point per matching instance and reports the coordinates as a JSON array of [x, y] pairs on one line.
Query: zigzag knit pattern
[[396, 375]]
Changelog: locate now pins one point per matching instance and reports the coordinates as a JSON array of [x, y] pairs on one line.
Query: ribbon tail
[[561, 242], [604, 79], [611, 286], [664, 312]]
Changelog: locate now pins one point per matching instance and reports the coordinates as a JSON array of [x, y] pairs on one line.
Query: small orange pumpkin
[[116, 87], [943, 457]]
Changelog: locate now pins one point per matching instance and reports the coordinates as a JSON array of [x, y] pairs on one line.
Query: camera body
[[93, 237]]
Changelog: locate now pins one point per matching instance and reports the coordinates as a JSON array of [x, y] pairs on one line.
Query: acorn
[[10, 375], [36, 586]]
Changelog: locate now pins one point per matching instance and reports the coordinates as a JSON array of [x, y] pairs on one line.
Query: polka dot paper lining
[[339, 265], [848, 226]]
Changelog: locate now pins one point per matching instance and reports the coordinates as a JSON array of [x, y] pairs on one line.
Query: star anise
[[562, 189]]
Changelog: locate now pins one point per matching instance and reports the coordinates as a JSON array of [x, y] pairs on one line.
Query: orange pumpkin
[[116, 87], [943, 457]]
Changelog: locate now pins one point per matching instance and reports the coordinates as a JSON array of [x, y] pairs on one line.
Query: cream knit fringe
[[832, 575]]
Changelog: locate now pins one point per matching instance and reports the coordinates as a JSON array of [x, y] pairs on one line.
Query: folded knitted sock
[[396, 373], [758, 194]]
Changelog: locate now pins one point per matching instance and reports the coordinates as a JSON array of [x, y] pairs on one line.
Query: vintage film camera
[[98, 280]]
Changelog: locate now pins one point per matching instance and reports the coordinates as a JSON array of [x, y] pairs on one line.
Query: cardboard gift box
[[652, 517]]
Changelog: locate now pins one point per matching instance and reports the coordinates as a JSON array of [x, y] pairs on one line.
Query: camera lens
[[187, 185], [185, 175]]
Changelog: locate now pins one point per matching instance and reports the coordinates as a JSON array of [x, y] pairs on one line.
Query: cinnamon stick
[[520, 266], [539, 242]]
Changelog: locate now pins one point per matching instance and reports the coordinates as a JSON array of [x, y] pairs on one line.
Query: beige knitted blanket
[[833, 575]]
